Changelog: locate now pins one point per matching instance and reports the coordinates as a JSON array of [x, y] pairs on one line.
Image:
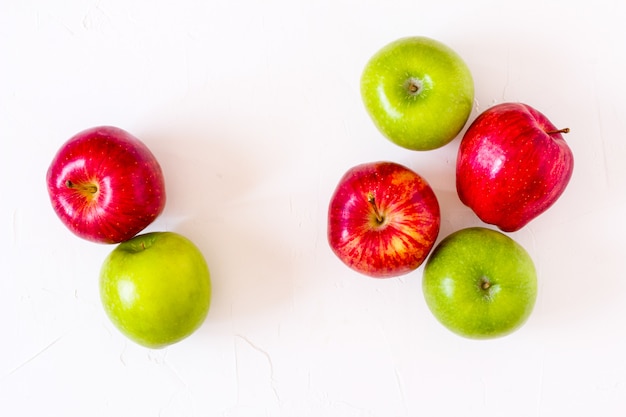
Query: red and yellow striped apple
[[383, 219]]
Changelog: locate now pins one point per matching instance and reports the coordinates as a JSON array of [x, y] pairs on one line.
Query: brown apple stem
[[413, 86], [485, 284], [552, 132], [89, 188], [372, 201]]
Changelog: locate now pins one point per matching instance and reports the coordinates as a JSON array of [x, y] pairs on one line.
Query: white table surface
[[253, 110]]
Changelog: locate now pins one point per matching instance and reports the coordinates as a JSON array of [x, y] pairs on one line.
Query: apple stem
[[90, 188], [414, 86], [485, 284], [554, 132], [372, 200]]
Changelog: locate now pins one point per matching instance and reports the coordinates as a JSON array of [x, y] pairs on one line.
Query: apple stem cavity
[[485, 286], [372, 200], [84, 188], [488, 288], [414, 86]]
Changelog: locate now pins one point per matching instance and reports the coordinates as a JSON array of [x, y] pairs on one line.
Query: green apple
[[156, 288], [480, 283], [418, 92]]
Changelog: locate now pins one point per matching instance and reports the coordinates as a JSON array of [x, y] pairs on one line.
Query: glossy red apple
[[105, 185], [383, 219], [512, 165]]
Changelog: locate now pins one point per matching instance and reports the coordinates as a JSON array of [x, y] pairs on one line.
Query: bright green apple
[[418, 92], [480, 283], [156, 288]]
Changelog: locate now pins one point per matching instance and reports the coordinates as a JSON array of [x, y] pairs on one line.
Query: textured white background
[[253, 110]]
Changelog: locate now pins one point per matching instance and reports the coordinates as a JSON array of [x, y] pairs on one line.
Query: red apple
[[383, 219], [512, 165], [105, 185]]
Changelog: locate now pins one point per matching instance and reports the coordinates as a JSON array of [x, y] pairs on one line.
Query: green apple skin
[[418, 92], [480, 283], [156, 288]]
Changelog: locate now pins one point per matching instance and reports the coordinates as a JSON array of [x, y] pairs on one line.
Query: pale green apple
[[480, 283], [418, 92], [156, 288]]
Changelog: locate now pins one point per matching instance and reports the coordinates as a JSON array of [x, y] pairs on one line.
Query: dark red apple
[[383, 219], [105, 185], [512, 165]]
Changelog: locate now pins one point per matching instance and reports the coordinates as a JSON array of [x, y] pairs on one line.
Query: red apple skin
[[106, 185], [383, 219], [512, 165]]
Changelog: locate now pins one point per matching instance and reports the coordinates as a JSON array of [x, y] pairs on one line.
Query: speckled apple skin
[[455, 278], [430, 117], [127, 176], [512, 165], [156, 288], [401, 242]]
